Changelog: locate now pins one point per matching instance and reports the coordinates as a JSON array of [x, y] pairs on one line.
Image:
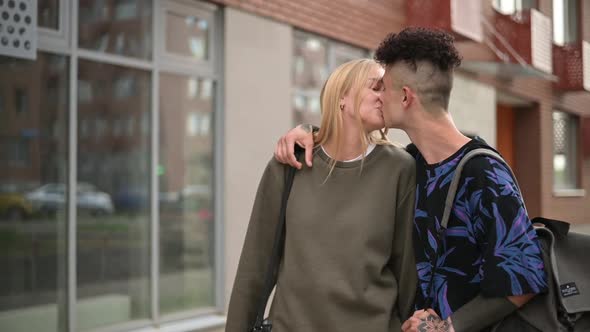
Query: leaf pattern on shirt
[[501, 240], [519, 255]]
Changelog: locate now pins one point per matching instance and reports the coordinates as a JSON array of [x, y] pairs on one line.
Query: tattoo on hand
[[306, 127], [433, 324]]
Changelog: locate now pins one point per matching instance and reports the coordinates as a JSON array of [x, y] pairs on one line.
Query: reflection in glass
[[509, 7], [186, 195], [187, 36], [565, 21], [113, 196], [33, 154], [565, 151], [310, 70], [21, 100], [122, 27], [48, 14], [313, 60]]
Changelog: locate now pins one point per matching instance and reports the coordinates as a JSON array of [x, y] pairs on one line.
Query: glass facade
[[112, 272], [34, 169], [565, 21], [314, 57], [509, 7], [48, 14], [122, 27], [187, 36], [186, 192], [113, 242]]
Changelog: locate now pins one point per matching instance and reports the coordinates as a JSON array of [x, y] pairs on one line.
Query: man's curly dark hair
[[415, 44]]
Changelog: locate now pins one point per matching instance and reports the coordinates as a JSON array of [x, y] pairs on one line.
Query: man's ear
[[408, 97]]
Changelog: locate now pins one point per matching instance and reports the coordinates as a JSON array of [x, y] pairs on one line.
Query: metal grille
[[18, 33], [560, 133], [568, 66], [573, 65]]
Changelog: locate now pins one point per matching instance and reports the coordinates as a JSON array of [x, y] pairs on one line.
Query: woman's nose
[[379, 95]]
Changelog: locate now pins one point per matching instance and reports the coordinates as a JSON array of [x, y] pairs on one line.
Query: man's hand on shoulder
[[427, 321], [301, 135]]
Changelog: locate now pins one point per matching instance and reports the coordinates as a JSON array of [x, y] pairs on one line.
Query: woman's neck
[[351, 145]]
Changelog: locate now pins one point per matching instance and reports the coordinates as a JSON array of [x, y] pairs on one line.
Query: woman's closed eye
[[377, 86]]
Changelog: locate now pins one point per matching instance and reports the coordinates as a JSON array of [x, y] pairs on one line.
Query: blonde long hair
[[348, 78]]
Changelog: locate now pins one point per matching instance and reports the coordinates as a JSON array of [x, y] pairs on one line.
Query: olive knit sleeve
[[256, 252]]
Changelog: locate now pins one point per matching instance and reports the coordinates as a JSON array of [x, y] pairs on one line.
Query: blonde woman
[[348, 263]]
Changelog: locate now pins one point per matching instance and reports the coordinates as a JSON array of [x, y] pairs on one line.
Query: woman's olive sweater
[[348, 262]]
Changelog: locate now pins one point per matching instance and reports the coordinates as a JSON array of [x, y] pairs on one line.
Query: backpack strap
[[455, 182]]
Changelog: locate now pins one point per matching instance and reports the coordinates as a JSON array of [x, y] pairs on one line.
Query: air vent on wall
[[18, 28]]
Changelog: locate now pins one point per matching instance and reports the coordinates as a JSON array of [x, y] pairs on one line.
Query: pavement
[[581, 228]]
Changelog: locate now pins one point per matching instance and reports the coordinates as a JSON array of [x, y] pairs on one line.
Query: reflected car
[[14, 206], [132, 200], [51, 197]]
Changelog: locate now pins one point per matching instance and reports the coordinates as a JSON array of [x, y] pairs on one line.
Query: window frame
[[57, 41], [567, 21], [177, 62]]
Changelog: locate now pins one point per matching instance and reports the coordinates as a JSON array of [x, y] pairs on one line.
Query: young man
[[489, 252]]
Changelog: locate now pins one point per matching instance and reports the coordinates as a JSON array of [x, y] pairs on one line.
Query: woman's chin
[[373, 127]]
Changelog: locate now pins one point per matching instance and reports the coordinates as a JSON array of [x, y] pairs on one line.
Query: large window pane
[[113, 194], [509, 7], [33, 157], [565, 21], [314, 58], [565, 151], [187, 35], [186, 193], [48, 14], [122, 27], [310, 70]]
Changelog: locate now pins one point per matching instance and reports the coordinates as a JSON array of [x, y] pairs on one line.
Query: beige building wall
[[258, 54], [473, 107]]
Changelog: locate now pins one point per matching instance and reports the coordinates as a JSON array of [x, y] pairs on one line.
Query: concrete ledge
[[92, 312], [569, 193], [212, 323]]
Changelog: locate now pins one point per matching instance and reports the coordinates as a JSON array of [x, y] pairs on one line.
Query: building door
[[505, 128]]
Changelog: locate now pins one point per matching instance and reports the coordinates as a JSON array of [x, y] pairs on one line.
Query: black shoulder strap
[[277, 248], [455, 182]]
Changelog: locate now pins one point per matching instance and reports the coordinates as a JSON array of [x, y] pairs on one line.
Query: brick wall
[[362, 23]]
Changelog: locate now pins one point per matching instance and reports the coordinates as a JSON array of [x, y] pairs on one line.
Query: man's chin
[[387, 124], [391, 124]]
